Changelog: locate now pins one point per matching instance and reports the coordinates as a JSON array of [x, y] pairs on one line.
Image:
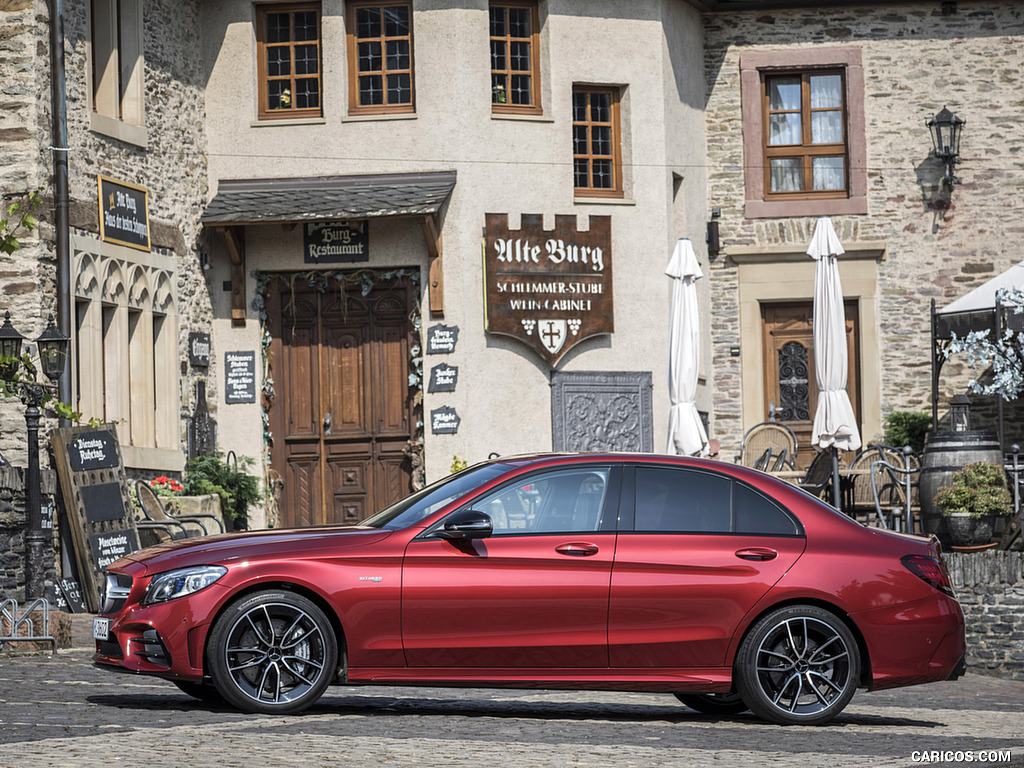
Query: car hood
[[231, 547]]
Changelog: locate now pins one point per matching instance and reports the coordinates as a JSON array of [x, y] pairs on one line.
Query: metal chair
[[893, 488], [768, 435], [819, 474], [179, 526]]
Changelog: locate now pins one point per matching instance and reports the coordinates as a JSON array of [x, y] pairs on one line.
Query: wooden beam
[[234, 237], [435, 272]]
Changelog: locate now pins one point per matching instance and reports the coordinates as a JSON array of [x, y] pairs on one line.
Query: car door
[[534, 593], [703, 549]]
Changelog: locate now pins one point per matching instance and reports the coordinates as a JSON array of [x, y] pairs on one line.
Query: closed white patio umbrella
[[686, 435], [835, 425]]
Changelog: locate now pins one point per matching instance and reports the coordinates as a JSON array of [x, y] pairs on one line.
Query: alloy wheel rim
[[275, 653], [803, 666]]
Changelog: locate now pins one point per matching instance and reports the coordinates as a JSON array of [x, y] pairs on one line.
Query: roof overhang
[[328, 198]]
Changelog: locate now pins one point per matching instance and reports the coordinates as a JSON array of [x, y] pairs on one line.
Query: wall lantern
[[10, 349], [960, 414], [945, 128]]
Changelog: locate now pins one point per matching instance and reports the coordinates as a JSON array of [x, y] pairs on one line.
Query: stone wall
[[990, 587], [936, 246], [12, 533]]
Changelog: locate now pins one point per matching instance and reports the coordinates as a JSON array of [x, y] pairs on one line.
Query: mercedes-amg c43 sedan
[[721, 585]]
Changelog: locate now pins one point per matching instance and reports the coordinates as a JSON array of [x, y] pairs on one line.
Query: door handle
[[327, 424], [577, 549], [757, 553]]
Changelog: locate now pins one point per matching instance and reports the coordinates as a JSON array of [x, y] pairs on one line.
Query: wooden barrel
[[944, 454]]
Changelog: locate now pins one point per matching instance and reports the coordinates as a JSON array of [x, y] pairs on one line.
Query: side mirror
[[465, 524]]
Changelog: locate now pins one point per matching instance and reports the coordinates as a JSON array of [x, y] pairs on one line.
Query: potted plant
[[236, 488], [971, 504]]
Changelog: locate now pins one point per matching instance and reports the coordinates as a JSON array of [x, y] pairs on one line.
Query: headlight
[[184, 581]]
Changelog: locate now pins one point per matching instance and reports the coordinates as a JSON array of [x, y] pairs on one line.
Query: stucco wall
[[504, 165], [915, 60]]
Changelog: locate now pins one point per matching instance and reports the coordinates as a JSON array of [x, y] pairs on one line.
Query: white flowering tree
[[1002, 357]]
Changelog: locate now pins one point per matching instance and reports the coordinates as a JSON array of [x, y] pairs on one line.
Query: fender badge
[[371, 578]]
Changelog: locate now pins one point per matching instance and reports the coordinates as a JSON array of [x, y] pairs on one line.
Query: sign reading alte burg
[[549, 289]]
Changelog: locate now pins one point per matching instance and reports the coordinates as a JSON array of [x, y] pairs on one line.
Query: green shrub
[[979, 489], [907, 428], [236, 489]]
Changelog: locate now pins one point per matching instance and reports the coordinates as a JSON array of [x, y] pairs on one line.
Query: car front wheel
[[273, 652], [798, 665]]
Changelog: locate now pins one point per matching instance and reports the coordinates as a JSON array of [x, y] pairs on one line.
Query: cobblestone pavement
[[60, 711]]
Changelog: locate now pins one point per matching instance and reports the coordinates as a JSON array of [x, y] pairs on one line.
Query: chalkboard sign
[[102, 502], [443, 378], [92, 450], [71, 595], [441, 339], [95, 491], [240, 377], [108, 546], [444, 421], [199, 350]]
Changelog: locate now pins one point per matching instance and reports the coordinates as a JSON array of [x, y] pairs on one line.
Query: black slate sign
[[102, 502], [443, 378], [441, 339], [93, 450], [124, 213], [108, 546], [334, 242], [444, 421], [240, 377], [199, 350], [71, 592]]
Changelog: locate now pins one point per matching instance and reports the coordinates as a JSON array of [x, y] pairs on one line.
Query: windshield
[[414, 508]]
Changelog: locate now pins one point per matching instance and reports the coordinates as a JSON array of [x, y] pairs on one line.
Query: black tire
[[204, 692], [798, 665], [720, 704], [273, 652]]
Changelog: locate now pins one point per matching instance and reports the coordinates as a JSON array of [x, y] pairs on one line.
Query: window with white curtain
[[805, 146]]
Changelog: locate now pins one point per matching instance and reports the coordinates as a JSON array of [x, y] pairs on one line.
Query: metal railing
[[13, 620]]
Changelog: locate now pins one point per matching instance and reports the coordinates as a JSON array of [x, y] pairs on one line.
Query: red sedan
[[716, 583]]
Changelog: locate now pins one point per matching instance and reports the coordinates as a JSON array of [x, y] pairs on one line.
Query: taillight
[[930, 570]]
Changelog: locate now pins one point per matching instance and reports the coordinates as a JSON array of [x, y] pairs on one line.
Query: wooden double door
[[342, 412], [790, 383]]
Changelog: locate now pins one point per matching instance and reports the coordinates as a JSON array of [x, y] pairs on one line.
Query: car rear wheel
[[714, 703], [202, 691], [273, 652], [798, 665]]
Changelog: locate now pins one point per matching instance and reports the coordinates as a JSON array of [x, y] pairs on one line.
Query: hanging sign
[[333, 242], [550, 289], [444, 421], [240, 377], [124, 213]]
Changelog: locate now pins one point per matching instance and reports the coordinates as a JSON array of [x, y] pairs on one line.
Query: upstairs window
[[288, 39], [515, 68], [117, 69], [597, 156], [380, 57], [805, 135]]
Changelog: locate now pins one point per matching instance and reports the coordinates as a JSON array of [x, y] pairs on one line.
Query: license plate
[[100, 628]]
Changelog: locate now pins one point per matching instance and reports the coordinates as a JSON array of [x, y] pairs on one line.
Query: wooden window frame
[[754, 65], [616, 190], [352, 44], [534, 107], [262, 11], [805, 151]]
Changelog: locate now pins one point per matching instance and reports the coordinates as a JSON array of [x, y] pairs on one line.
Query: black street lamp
[[53, 352], [945, 128]]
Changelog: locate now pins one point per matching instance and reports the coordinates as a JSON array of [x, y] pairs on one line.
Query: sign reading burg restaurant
[[334, 242], [548, 289], [124, 213]]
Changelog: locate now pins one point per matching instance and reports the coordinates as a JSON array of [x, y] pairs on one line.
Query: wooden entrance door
[[789, 379], [342, 410]]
